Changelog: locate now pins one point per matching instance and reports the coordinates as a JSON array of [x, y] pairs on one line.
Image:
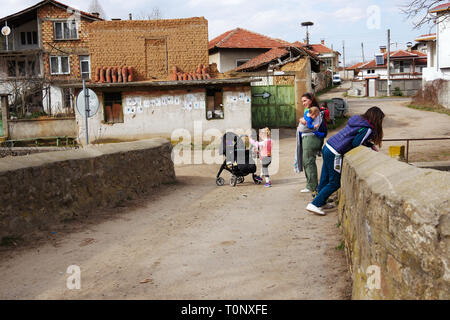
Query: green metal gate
[[273, 106]]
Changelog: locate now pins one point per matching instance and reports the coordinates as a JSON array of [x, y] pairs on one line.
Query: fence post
[[5, 114]]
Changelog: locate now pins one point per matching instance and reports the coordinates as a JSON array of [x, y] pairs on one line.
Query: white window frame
[[59, 65], [69, 23], [83, 59]]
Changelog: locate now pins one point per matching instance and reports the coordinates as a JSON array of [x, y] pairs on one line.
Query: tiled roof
[[426, 37], [245, 39], [355, 66], [44, 2], [441, 7], [314, 48], [263, 59], [420, 58], [302, 45]]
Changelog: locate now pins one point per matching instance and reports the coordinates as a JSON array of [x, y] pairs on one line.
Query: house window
[[22, 66], [240, 62], [59, 65], [214, 104], [85, 67], [66, 30], [28, 38], [112, 104], [402, 67]]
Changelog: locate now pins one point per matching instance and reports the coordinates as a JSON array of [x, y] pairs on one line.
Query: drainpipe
[[5, 114]]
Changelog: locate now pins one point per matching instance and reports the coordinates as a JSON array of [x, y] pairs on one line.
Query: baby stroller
[[238, 160]]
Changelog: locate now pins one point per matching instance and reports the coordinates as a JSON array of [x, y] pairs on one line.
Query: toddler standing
[[265, 153]]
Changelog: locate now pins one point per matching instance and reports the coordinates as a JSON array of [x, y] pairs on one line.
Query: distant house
[[405, 64], [438, 46], [406, 67], [329, 57], [47, 47], [238, 46]]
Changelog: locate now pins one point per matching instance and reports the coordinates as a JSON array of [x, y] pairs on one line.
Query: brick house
[[47, 47]]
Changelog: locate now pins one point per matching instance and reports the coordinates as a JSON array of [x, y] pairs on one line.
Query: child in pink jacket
[[264, 147]]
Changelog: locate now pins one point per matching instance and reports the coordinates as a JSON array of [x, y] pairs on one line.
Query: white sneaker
[[314, 209], [306, 191]]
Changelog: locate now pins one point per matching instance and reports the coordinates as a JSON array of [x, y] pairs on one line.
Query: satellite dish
[[93, 103], [6, 31]]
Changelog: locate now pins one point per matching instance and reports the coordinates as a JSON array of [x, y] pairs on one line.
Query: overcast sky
[[335, 21]]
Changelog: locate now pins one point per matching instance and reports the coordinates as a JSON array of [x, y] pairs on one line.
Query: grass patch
[[322, 92], [341, 246], [430, 107]]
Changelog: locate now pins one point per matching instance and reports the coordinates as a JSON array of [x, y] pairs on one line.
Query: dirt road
[[194, 240]]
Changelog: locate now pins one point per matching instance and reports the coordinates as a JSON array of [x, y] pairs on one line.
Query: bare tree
[[155, 14], [95, 6], [419, 10]]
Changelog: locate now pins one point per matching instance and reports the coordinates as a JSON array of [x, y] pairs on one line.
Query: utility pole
[[389, 62], [362, 49], [343, 52]]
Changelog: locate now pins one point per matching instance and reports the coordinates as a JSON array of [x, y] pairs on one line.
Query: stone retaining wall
[[23, 151], [396, 223], [39, 190]]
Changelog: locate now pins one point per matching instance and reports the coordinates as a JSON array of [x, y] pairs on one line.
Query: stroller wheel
[[220, 181], [233, 181], [240, 180]]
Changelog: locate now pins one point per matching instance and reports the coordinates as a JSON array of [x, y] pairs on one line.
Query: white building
[[438, 46]]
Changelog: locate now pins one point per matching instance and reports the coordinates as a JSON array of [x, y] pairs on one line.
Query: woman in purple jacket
[[366, 130]]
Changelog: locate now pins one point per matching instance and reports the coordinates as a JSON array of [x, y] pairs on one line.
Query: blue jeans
[[330, 180]]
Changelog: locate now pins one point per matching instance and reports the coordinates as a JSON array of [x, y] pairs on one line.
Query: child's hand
[[317, 126], [303, 121], [374, 147]]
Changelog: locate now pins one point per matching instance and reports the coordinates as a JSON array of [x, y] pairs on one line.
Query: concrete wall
[[395, 217], [41, 190], [55, 127], [151, 47], [443, 38], [444, 95], [408, 87], [358, 88], [161, 120]]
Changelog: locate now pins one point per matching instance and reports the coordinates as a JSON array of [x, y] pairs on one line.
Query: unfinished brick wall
[[151, 47], [47, 15], [297, 66]]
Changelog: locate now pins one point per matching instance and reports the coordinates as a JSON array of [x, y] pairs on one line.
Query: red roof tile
[[245, 39], [263, 58], [441, 7], [355, 66]]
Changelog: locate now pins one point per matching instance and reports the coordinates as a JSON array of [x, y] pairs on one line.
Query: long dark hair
[[311, 97], [375, 117]]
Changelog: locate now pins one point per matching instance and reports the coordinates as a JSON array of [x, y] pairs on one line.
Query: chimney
[[409, 46], [383, 49], [96, 14], [322, 41], [130, 16]]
